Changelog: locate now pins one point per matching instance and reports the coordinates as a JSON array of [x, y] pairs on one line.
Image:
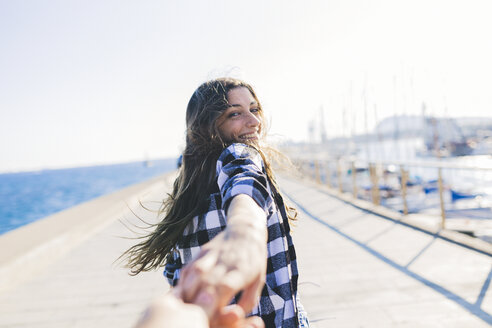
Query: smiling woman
[[241, 121], [225, 227]]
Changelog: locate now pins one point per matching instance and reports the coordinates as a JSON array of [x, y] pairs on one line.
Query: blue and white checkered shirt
[[240, 170]]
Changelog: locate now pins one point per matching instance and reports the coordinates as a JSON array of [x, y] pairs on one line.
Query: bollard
[[404, 180], [441, 198]]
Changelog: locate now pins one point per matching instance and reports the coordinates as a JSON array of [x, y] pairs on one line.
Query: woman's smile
[[250, 136]]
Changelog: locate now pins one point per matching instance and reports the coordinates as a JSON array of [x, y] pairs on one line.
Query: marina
[[407, 169]]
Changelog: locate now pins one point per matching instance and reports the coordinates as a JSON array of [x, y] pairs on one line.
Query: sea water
[[28, 196]]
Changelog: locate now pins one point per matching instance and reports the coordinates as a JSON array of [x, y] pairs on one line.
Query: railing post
[[404, 180], [354, 179], [305, 168], [375, 184], [317, 176], [441, 198], [339, 176], [328, 174]]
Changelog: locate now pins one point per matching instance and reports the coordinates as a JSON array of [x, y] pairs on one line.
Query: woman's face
[[241, 121]]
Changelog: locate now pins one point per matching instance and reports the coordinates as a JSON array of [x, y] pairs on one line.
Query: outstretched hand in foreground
[[169, 311]]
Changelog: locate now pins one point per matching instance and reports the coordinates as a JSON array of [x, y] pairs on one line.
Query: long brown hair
[[196, 174]]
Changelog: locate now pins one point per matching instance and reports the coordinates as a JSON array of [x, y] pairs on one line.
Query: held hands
[[226, 265], [235, 260]]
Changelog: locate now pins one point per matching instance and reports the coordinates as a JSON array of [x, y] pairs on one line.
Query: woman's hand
[[235, 260]]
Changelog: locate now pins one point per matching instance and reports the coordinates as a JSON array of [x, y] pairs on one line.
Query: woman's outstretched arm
[[235, 260]]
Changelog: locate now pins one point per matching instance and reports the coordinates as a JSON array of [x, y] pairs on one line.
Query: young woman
[[225, 227]]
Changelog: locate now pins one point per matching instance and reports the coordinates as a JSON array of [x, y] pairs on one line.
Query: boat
[[443, 137]]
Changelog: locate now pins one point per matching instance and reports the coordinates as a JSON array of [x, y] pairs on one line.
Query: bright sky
[[103, 81]]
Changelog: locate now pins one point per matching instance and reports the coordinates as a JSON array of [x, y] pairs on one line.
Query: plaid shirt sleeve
[[240, 170]]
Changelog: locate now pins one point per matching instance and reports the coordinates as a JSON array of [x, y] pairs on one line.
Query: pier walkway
[[357, 269]]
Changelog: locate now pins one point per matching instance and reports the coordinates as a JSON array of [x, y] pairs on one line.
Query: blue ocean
[[28, 196]]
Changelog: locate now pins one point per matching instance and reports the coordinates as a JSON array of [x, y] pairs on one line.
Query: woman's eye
[[233, 115], [254, 110]]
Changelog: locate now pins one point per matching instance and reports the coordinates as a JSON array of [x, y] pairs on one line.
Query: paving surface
[[357, 270], [361, 270]]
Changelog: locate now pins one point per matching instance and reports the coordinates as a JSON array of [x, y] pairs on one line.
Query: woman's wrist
[[246, 219], [253, 237]]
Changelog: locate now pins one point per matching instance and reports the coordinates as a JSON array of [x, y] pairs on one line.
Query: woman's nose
[[253, 120]]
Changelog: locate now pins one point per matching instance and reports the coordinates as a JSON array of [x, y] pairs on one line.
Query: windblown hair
[[196, 174]]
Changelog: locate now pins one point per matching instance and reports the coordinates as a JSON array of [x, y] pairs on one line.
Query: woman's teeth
[[248, 136]]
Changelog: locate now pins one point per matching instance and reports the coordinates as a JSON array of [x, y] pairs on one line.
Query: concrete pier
[[357, 269]]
